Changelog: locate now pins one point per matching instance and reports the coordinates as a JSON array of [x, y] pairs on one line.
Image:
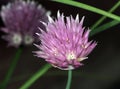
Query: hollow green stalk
[[104, 27], [68, 85], [104, 17], [11, 69], [89, 8]]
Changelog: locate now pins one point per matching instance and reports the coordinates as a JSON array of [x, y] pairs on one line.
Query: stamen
[[71, 56]]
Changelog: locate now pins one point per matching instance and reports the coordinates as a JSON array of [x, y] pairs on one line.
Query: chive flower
[[65, 43], [21, 19]]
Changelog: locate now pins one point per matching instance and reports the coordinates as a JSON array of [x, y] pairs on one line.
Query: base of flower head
[[73, 64]]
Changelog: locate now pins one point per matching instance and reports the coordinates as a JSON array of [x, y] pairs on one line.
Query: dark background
[[101, 70]]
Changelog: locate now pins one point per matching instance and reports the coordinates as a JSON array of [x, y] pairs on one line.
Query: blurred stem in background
[[69, 79], [104, 27], [35, 76], [89, 8], [11, 69], [104, 17], [96, 29]]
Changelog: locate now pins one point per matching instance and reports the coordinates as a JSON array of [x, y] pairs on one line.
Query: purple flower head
[[21, 19], [65, 43]]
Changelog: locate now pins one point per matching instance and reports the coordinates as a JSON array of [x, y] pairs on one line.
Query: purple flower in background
[[65, 43], [21, 19]]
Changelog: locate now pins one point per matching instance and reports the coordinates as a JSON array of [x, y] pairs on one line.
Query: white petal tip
[[8, 6], [40, 29], [50, 19], [48, 13], [39, 6], [45, 24], [37, 34], [82, 20], [77, 18], [58, 13], [83, 58], [3, 7], [32, 2]]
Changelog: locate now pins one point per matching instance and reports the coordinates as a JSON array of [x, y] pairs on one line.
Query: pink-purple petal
[[65, 42]]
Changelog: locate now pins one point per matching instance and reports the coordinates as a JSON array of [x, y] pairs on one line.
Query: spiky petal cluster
[[65, 43], [21, 19]]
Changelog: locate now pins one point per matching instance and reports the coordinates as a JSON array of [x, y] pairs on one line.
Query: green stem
[[89, 8], [104, 17], [12, 68], [69, 79], [37, 75], [104, 27]]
